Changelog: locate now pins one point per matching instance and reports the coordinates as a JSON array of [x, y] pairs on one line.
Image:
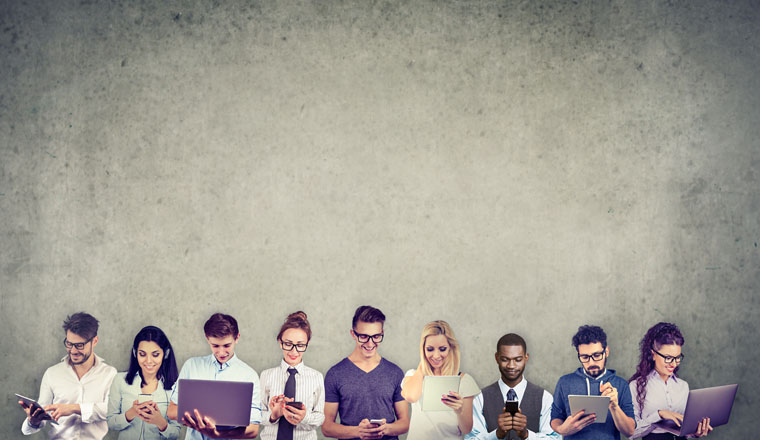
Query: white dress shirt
[[60, 384], [479, 430], [671, 395], [310, 390]]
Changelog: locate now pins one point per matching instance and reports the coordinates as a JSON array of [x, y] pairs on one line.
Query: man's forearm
[[626, 425], [250, 431], [336, 430], [555, 424], [397, 428]]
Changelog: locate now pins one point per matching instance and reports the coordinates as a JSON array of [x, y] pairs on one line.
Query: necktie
[[511, 394], [284, 428]]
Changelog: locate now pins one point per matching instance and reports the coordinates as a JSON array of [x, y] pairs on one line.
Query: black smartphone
[[298, 405], [511, 406]]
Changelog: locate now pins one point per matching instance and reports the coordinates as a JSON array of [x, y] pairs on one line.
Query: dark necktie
[[512, 395], [284, 428]]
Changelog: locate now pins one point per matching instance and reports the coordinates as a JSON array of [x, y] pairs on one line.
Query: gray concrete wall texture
[[525, 166]]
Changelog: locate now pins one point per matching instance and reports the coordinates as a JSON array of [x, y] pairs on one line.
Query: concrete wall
[[506, 166]]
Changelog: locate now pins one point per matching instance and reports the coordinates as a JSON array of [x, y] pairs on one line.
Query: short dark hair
[[512, 339], [368, 314], [589, 334], [220, 325], [82, 324]]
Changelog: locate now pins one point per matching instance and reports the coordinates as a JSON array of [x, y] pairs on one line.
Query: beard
[[596, 370], [85, 357]]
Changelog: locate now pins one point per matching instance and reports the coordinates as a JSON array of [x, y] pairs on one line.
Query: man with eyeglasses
[[75, 391], [222, 335], [365, 387], [593, 379]]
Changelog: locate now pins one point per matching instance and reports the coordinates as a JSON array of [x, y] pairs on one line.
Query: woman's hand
[[453, 400], [149, 412], [275, 407], [294, 414], [132, 411], [670, 415]]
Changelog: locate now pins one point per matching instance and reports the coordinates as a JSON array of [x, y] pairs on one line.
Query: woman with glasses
[[439, 356], [657, 392], [139, 398], [293, 395]]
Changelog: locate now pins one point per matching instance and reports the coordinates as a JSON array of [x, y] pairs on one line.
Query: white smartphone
[[144, 398], [376, 421]]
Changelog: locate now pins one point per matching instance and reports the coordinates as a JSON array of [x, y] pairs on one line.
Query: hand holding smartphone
[[298, 405], [511, 406]]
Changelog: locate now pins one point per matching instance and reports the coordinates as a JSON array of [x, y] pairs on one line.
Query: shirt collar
[[284, 366], [230, 362], [655, 374], [519, 388]]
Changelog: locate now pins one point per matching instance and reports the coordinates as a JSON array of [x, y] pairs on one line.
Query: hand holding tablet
[[34, 411], [596, 405]]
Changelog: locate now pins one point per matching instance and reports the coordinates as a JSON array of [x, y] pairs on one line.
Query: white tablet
[[433, 388], [599, 405]]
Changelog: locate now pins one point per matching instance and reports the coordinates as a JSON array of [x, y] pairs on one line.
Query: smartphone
[[376, 421], [298, 405], [511, 406], [144, 398]]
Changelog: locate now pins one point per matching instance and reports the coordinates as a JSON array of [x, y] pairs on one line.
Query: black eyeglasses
[[77, 345], [378, 338], [585, 358], [287, 346], [670, 359]]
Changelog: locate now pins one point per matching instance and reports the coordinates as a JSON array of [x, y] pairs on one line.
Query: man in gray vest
[[533, 418]]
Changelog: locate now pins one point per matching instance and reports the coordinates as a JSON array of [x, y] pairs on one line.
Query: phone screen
[[511, 406]]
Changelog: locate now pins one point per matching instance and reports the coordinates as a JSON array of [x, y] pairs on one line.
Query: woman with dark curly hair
[[657, 392]]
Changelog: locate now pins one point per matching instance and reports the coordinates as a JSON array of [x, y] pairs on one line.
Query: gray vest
[[530, 405]]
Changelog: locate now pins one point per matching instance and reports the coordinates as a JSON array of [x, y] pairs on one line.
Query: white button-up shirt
[[60, 384], [480, 432], [310, 390], [671, 395]]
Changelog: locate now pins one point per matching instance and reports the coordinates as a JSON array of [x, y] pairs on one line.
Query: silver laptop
[[226, 403], [715, 403]]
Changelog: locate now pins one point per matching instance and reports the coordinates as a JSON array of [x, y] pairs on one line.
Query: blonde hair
[[451, 364]]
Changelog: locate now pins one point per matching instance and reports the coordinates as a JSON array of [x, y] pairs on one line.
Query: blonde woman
[[439, 356]]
